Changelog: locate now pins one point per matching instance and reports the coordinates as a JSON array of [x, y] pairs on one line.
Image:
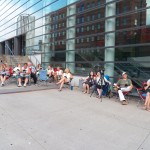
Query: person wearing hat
[[123, 85]]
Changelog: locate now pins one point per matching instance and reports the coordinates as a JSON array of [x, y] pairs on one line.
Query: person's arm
[[107, 81], [28, 71], [130, 84], [146, 87], [117, 85]]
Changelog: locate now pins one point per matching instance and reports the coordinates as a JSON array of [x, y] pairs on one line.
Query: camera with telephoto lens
[[102, 71]]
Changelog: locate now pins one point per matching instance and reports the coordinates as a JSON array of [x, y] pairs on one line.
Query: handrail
[[37, 61], [11, 54]]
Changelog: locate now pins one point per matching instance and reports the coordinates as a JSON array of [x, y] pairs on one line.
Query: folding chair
[[10, 78], [69, 84], [42, 77], [141, 94]]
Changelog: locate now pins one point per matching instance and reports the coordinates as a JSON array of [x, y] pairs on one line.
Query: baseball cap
[[124, 73]]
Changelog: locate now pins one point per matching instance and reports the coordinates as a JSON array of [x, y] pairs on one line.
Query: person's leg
[[99, 92], [33, 75], [62, 80], [84, 88], [19, 81], [2, 80], [88, 88], [25, 81], [147, 101], [61, 85]]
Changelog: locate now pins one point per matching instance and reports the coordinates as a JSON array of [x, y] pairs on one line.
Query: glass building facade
[[80, 34]]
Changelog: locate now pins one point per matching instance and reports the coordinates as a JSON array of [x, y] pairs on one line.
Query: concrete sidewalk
[[70, 120]]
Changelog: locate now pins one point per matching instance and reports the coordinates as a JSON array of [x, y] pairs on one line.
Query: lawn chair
[[142, 95], [10, 78], [42, 77]]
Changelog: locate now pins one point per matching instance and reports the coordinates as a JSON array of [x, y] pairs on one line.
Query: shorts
[[99, 86]]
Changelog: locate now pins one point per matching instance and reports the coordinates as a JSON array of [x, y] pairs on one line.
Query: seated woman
[[38, 68], [89, 81], [58, 74], [4, 73], [50, 71], [66, 77], [146, 89], [24, 75], [16, 70]]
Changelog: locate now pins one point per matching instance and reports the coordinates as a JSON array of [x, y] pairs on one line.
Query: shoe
[[2, 84], [19, 85], [24, 85], [124, 102]]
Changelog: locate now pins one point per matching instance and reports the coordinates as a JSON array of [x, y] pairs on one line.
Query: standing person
[[123, 85], [100, 83], [66, 77], [146, 88], [4, 73], [33, 72]]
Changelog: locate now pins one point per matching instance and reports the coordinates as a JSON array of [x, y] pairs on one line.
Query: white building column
[[110, 25], [70, 36]]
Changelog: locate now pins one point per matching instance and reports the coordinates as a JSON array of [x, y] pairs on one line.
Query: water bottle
[[71, 87]]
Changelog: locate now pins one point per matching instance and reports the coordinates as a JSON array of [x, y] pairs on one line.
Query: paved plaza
[[71, 120]]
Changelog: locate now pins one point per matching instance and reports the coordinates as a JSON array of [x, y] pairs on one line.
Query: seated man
[[123, 85]]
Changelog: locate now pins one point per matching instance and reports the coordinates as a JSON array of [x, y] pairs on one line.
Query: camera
[[102, 72]]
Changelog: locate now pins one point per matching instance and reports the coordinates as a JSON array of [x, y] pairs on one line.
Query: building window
[[117, 23], [82, 7], [98, 26], [87, 5], [82, 29], [93, 27], [87, 39], [63, 33], [98, 3], [124, 21], [92, 39], [125, 9], [78, 30], [88, 18], [78, 41], [82, 40], [82, 20], [88, 28], [78, 21], [93, 17], [98, 15], [93, 4]]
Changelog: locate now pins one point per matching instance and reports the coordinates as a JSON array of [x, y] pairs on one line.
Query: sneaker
[[24, 85], [124, 102], [2, 84], [19, 85]]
